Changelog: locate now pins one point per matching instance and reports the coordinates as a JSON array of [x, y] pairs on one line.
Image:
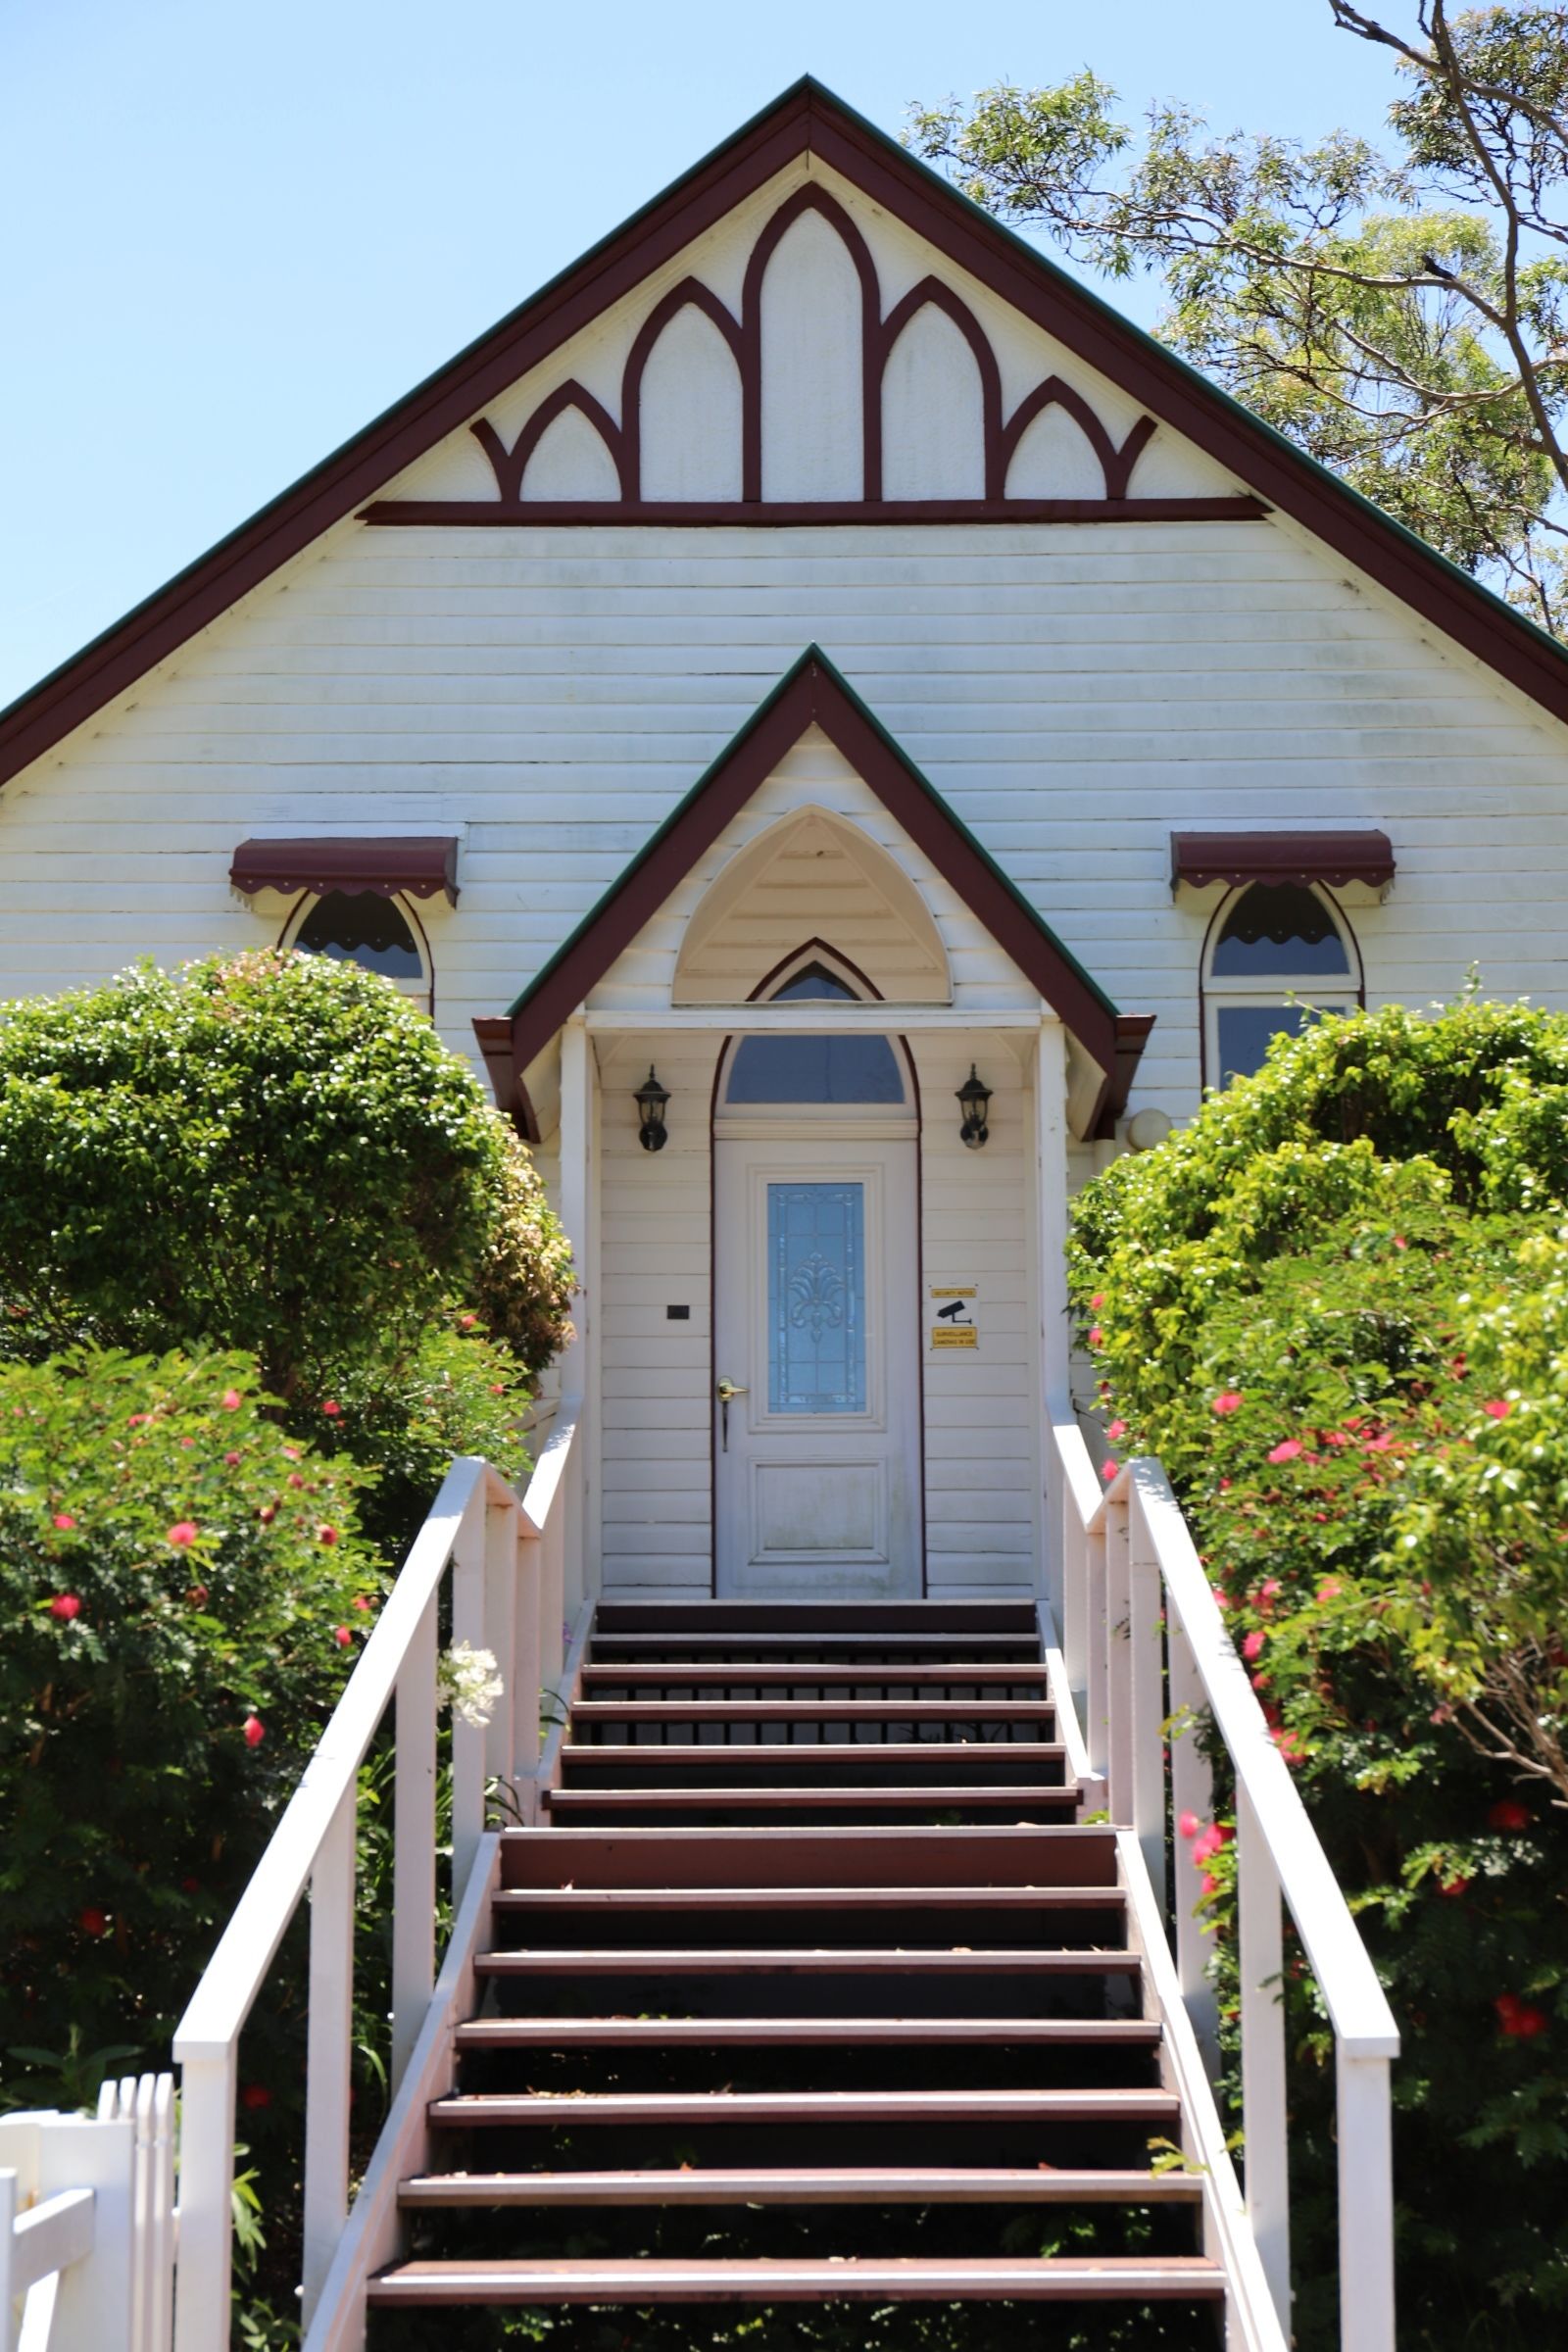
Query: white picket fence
[[1145, 1653], [88, 2224], [515, 1568]]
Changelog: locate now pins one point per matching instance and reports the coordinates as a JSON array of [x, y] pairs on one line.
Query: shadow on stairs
[[811, 2018]]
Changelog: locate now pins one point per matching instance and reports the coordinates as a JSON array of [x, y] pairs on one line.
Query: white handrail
[[1146, 1650], [505, 1556]]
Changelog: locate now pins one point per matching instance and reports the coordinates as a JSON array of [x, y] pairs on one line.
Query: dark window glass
[[815, 1069], [1246, 1031], [362, 927], [1279, 931], [813, 980]]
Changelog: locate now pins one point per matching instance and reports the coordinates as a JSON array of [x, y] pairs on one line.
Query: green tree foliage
[[1403, 317], [184, 1589], [1337, 1307], [267, 1151]]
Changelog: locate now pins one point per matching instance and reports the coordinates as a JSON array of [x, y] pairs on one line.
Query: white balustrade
[[1137, 1609], [506, 1556], [87, 2222]]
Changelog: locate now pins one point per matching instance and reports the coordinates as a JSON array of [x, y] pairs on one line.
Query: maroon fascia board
[[814, 696], [493, 1033], [391, 865], [1365, 854], [806, 118]]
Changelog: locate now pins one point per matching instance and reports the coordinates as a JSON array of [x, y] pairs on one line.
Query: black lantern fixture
[[973, 1098], [651, 1100]]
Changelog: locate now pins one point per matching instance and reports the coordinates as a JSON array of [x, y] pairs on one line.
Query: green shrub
[[269, 1151], [1337, 1307], [184, 1590]]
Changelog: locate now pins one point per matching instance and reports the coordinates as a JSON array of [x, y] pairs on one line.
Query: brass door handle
[[724, 1390]]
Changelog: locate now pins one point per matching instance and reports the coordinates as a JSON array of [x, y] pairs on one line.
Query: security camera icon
[[953, 1313]]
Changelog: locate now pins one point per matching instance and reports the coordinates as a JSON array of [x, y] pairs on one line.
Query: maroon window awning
[[1365, 854], [418, 865]]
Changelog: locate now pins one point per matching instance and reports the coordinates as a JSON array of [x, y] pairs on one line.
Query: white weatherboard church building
[[810, 659]]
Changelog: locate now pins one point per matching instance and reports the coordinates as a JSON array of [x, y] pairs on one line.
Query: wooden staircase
[[814, 1990]]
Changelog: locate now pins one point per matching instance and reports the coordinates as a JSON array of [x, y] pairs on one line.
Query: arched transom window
[[1279, 954], [362, 926], [780, 1075]]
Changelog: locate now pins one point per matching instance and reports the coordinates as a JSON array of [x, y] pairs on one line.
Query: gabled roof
[[807, 118], [813, 693]]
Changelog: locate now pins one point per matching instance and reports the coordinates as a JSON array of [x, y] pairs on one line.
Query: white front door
[[816, 1332]]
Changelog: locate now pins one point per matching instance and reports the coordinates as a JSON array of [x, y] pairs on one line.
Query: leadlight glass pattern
[[817, 1298]]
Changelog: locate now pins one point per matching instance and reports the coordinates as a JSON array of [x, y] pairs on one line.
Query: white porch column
[[1055, 1336], [576, 1215]]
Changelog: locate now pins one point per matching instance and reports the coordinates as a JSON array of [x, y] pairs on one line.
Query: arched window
[[817, 1070], [1279, 953], [381, 934]]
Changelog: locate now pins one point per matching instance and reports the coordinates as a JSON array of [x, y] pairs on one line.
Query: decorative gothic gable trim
[[813, 693], [807, 118]]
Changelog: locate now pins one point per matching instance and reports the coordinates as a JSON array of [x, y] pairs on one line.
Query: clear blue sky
[[235, 229]]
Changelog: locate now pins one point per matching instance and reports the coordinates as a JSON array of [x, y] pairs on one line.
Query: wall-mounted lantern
[[973, 1098], [651, 1100]]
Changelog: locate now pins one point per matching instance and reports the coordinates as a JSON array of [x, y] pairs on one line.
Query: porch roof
[[814, 691]]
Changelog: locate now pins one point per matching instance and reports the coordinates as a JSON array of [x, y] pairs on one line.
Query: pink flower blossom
[[1399, 1241], [1229, 1401], [1205, 1847], [1096, 1336], [231, 1400], [183, 1531], [325, 1535], [1117, 1428], [342, 1637], [331, 1408], [255, 1730], [65, 1606], [1287, 1450], [1508, 1814], [1208, 1884], [1500, 1408], [1109, 1470], [362, 1600], [1189, 1825], [1330, 1588], [1252, 1646], [91, 1921], [63, 1520], [231, 1460], [1096, 1302]]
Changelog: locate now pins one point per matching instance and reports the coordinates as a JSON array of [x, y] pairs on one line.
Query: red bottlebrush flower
[[1508, 1814], [187, 1443], [1500, 1408], [1189, 1825], [1208, 1884], [1229, 1401], [1287, 1449], [1109, 1470], [197, 1597], [63, 1520], [1204, 1847], [1096, 1336], [1224, 1486], [342, 1637], [255, 1730], [1289, 1743], [362, 1600], [1222, 1597], [1399, 1241], [183, 1531], [1253, 1645], [291, 1453], [231, 1460], [1117, 1428], [498, 1388], [295, 1480], [254, 2094], [93, 1921], [1096, 1302], [326, 1535], [1268, 1593], [467, 1322], [1452, 1887], [1330, 1588], [231, 1400], [1520, 2020], [190, 1885], [65, 1606], [267, 1513], [1378, 1444], [331, 1408]]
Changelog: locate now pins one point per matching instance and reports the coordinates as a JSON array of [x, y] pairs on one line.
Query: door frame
[[727, 1043]]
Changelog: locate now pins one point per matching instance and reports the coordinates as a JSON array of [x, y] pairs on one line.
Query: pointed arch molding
[[813, 693], [742, 336]]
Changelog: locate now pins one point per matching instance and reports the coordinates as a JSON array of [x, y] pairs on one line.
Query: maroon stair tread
[[710, 1670], [760, 2033], [1130, 2279], [829, 2107], [808, 1898], [656, 1646], [821, 1854], [1059, 1797], [768, 1753], [595, 1960], [808, 1710], [855, 2185]]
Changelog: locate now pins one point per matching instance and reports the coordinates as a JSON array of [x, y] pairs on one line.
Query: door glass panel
[[817, 1298]]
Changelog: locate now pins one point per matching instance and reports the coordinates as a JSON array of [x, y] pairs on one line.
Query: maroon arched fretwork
[[509, 464], [805, 200]]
